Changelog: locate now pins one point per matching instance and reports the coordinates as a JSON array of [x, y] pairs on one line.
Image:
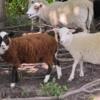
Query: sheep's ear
[[41, 5], [56, 30], [37, 6], [77, 30], [72, 30], [32, 1], [11, 34]]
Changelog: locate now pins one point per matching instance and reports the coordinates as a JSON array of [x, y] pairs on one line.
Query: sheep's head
[[65, 34], [34, 9], [4, 42]]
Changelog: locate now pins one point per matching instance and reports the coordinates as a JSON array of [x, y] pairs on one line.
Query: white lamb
[[72, 13], [83, 48]]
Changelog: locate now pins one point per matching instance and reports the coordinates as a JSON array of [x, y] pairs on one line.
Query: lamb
[[82, 46], [71, 13], [33, 48]]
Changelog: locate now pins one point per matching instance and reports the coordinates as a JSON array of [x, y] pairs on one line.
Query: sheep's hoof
[[81, 75], [70, 79], [12, 85], [59, 76]]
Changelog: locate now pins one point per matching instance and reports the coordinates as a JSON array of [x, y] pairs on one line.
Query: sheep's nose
[[61, 42], [29, 14], [2, 46]]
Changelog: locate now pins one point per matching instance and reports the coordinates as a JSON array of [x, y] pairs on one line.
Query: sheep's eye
[[0, 40], [32, 2], [6, 40], [5, 37], [36, 7]]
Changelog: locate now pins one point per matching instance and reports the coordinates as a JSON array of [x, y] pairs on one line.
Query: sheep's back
[[86, 46], [35, 47]]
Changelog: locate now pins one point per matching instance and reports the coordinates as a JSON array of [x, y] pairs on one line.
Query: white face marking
[[33, 11], [2, 34], [3, 45], [3, 48]]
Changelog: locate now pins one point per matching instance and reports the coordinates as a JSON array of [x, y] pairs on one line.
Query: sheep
[[82, 46], [71, 13], [35, 19], [32, 48]]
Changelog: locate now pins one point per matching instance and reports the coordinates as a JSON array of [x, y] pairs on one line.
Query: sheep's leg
[[73, 70], [40, 28], [85, 28], [32, 22], [14, 77], [59, 72], [58, 68], [47, 77], [81, 69]]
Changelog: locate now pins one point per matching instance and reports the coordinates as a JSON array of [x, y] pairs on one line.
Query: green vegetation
[[16, 7], [53, 89], [16, 11], [50, 1]]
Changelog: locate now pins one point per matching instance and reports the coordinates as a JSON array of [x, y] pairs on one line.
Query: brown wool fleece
[[31, 49]]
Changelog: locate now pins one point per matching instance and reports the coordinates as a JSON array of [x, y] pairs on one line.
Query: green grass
[[53, 89]]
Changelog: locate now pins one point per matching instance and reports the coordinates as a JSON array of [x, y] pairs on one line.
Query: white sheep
[[34, 20], [83, 48], [72, 13]]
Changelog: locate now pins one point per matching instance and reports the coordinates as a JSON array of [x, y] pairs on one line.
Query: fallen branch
[[92, 91], [85, 88]]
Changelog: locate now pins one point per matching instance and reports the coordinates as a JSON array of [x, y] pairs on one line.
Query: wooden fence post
[[2, 13]]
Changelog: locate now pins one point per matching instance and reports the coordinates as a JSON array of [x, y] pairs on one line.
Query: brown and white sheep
[[71, 13], [33, 48], [82, 46]]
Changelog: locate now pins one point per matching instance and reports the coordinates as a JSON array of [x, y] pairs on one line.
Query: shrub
[[15, 9]]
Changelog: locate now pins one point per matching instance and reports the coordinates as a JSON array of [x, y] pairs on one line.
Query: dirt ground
[[29, 84]]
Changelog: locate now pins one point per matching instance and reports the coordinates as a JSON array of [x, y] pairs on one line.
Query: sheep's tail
[[89, 18]]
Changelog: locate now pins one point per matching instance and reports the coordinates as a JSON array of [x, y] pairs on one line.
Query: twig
[[12, 27], [46, 25], [65, 59]]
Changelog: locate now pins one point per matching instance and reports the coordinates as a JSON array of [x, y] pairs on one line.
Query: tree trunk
[[2, 13]]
